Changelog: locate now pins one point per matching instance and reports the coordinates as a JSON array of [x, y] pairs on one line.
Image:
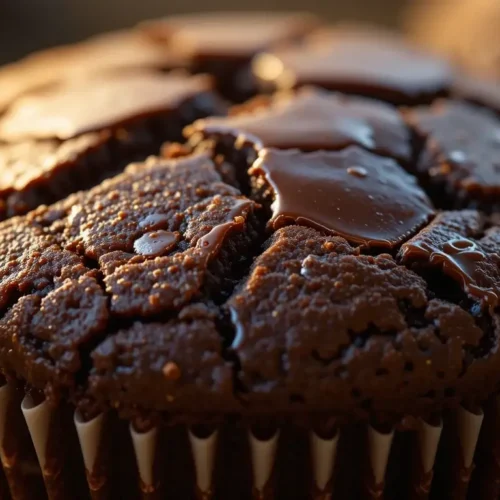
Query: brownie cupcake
[[357, 61], [116, 51], [68, 139], [224, 43], [302, 301]]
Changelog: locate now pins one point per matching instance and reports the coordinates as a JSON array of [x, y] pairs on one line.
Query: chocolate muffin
[[224, 43], [68, 139], [116, 51], [357, 61], [301, 301]]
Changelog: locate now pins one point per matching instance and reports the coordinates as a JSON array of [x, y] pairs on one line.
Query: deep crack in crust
[[71, 278]]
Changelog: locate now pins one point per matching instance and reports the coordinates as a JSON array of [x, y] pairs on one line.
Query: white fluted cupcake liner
[[263, 455]]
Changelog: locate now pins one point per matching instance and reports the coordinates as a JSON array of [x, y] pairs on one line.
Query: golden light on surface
[[268, 67]]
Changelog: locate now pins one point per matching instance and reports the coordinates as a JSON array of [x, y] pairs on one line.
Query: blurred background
[[27, 25]]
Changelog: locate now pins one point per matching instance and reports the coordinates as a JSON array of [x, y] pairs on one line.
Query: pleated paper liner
[[54, 453]]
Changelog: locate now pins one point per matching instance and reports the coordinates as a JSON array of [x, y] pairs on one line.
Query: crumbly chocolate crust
[[133, 295], [310, 335], [77, 270]]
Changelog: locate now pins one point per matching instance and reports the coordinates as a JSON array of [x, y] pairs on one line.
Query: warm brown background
[[27, 25]]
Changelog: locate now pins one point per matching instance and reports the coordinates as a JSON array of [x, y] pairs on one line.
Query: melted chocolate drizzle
[[156, 243], [367, 199], [212, 241], [460, 259]]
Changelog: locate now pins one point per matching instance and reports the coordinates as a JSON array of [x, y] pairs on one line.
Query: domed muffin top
[[309, 253]]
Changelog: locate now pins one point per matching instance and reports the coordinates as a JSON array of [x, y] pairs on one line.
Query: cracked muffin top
[[310, 253], [162, 290], [163, 242]]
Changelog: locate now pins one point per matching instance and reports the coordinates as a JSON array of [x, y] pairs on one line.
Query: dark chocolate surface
[[229, 35], [313, 119], [460, 149], [364, 198], [109, 101], [370, 64], [22, 163], [72, 138], [223, 43]]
